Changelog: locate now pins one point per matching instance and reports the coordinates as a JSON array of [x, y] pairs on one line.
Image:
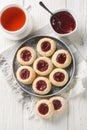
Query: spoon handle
[[41, 3], [57, 19]]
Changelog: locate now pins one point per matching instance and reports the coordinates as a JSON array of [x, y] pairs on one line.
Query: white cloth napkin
[[77, 86]]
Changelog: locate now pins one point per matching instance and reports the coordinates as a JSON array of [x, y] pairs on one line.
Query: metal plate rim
[[50, 95]]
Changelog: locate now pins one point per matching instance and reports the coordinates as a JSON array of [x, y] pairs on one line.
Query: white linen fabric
[[77, 86]]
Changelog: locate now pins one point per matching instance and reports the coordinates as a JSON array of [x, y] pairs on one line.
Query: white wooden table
[[13, 116]]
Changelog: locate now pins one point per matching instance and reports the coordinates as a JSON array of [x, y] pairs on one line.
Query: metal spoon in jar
[[59, 22]]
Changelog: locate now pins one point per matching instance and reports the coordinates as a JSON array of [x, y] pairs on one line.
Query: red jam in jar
[[67, 21], [61, 58], [45, 46], [41, 85], [42, 65], [24, 74], [26, 55], [43, 109], [59, 76], [57, 104]]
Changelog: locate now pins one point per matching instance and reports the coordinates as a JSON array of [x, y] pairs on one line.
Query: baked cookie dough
[[25, 74], [58, 77], [59, 104], [61, 58], [43, 66], [26, 55], [41, 85], [44, 108], [46, 47]]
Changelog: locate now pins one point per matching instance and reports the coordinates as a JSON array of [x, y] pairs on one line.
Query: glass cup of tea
[[63, 22], [14, 19]]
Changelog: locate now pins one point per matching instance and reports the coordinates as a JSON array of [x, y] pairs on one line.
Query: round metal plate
[[33, 43]]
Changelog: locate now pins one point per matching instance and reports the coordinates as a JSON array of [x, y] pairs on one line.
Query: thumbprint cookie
[[44, 108], [26, 55], [59, 104], [61, 58], [43, 66], [25, 74], [58, 77], [41, 85], [46, 47]]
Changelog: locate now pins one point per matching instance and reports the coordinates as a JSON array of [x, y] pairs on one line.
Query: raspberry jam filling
[[24, 74], [68, 23], [61, 58], [45, 46], [26, 55], [41, 85], [42, 65], [59, 76], [43, 109], [57, 104]]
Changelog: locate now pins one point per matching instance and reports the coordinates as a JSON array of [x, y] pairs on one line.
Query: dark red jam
[[24, 74], [68, 23], [61, 58], [26, 55], [41, 85], [57, 104], [59, 76], [42, 65], [43, 109], [45, 46]]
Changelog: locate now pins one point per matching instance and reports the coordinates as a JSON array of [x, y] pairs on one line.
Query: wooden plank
[[79, 39], [41, 18], [11, 116], [77, 113], [77, 119], [11, 112]]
